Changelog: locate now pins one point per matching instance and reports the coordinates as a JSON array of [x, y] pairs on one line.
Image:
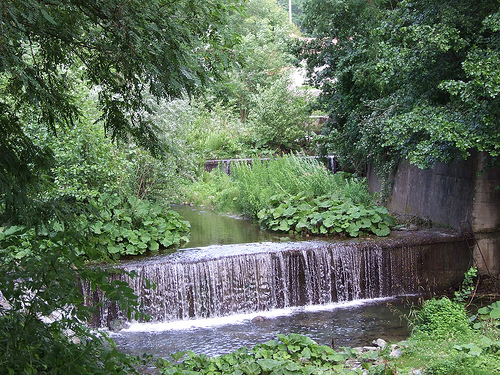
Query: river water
[[209, 228], [350, 323]]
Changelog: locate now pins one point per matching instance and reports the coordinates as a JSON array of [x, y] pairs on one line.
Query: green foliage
[[127, 53], [293, 194], [280, 118], [87, 162], [162, 179], [297, 9], [120, 48], [410, 79], [450, 366], [324, 216], [216, 190], [442, 341], [253, 110], [288, 355], [42, 308], [465, 355], [467, 287], [441, 319], [218, 133], [133, 226], [260, 57], [292, 175], [487, 317], [478, 356]]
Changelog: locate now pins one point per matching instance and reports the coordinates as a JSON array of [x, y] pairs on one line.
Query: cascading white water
[[218, 281]]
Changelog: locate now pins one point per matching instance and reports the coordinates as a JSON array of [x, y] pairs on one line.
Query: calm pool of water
[[209, 228]]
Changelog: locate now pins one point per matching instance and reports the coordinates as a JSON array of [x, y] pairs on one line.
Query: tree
[[259, 58], [297, 9], [122, 49], [404, 79], [281, 118], [128, 52]]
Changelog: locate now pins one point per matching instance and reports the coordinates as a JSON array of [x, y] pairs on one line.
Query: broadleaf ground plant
[[325, 215], [132, 226]]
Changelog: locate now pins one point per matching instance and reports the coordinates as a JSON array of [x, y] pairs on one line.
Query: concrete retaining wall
[[461, 195]]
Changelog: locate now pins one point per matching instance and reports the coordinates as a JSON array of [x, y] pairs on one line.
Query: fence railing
[[225, 164]]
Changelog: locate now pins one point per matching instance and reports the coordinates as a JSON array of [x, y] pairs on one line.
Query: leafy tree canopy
[[120, 47], [259, 58], [297, 9], [132, 54], [412, 79]]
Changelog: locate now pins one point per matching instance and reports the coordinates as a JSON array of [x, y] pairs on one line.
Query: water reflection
[[209, 228]]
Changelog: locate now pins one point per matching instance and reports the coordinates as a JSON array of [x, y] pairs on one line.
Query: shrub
[[324, 215], [293, 194], [216, 133], [280, 119], [132, 226], [441, 318], [446, 367], [42, 310], [292, 175]]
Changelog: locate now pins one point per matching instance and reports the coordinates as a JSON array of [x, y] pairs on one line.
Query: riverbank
[[444, 339]]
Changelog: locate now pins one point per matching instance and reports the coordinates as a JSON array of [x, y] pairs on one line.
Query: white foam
[[243, 318]]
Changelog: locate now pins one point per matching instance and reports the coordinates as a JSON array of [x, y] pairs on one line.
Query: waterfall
[[217, 281]]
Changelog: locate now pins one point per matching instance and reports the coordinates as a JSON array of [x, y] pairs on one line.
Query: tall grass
[[250, 187]]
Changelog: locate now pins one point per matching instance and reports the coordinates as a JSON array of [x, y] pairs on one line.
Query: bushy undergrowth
[[446, 340], [291, 176], [131, 226], [42, 309], [442, 318], [288, 355], [293, 194]]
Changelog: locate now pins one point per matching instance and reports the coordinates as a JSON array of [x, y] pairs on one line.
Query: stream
[[347, 323], [351, 324]]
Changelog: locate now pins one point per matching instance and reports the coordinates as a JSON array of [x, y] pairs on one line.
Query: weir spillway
[[221, 280]]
